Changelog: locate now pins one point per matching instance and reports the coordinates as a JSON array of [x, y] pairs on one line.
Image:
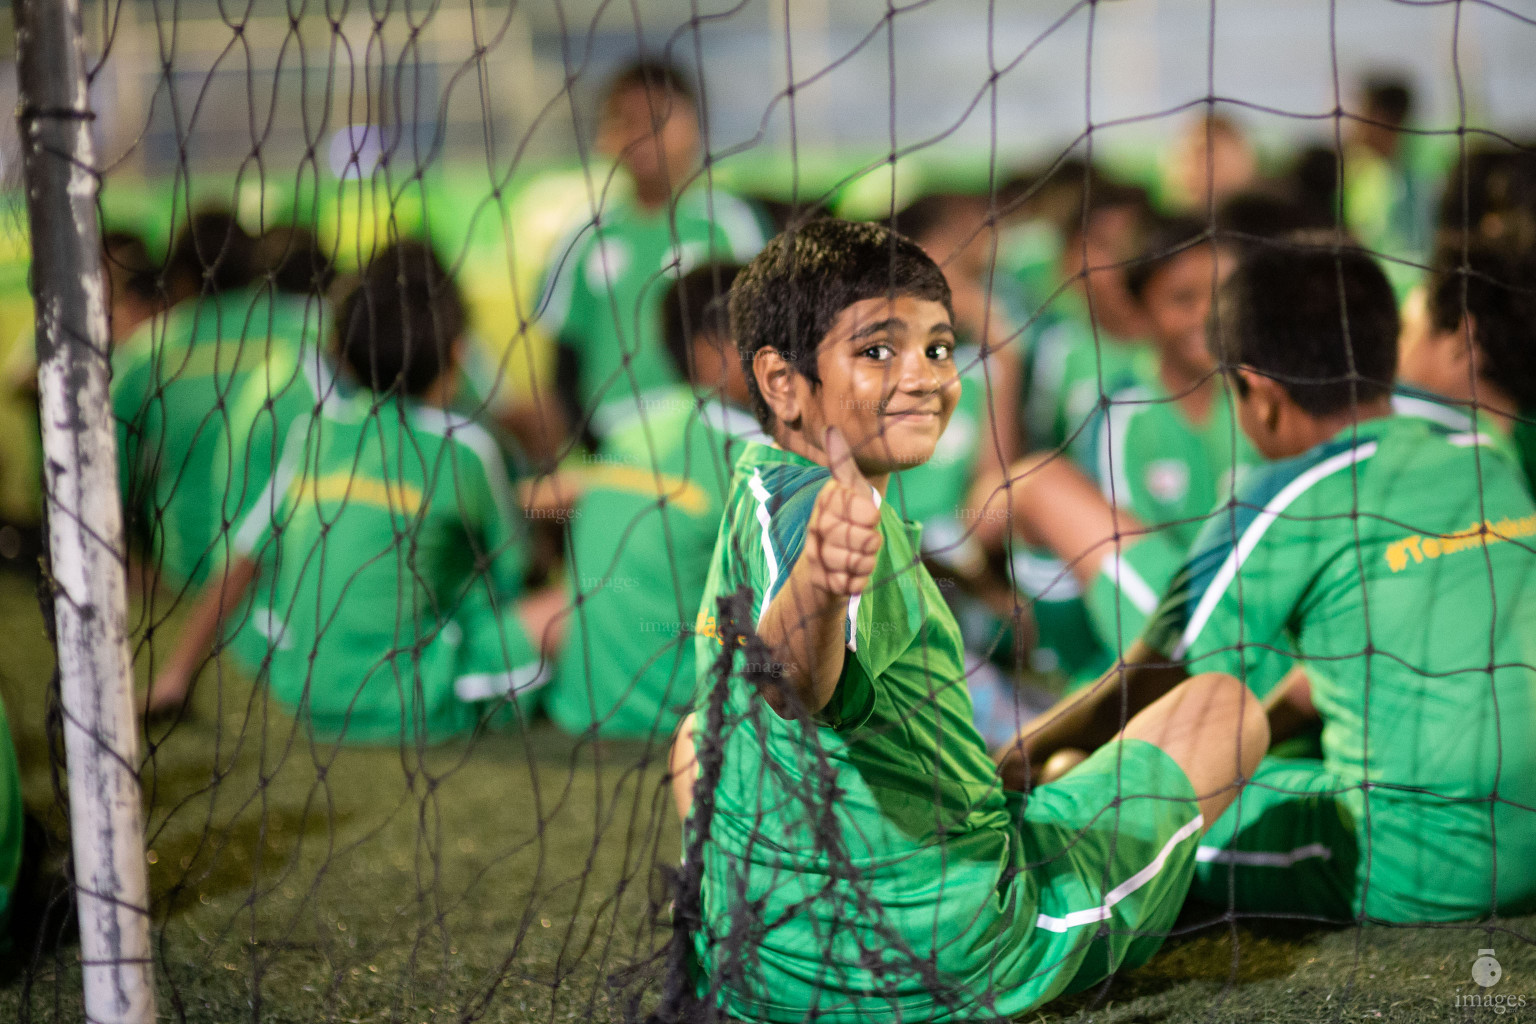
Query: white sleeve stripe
[[1255, 532], [760, 492], [1130, 583], [479, 441], [1103, 911], [488, 685], [1114, 480], [741, 227], [565, 264], [264, 512], [853, 602]]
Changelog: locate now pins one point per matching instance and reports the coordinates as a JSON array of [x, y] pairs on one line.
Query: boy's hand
[[843, 538]]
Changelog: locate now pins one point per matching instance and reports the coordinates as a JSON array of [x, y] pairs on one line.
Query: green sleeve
[[1235, 600], [130, 393]]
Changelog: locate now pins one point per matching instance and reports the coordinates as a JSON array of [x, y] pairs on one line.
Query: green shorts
[[1127, 589], [1287, 845], [1111, 849]]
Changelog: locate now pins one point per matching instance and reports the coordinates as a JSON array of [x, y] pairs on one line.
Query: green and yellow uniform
[[641, 536], [1394, 560], [1069, 369], [603, 290], [173, 383], [390, 536], [1172, 474], [865, 863], [294, 386]]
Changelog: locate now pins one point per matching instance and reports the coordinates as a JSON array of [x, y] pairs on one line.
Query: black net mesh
[[463, 461]]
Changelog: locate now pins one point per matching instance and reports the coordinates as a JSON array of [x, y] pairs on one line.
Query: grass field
[[517, 879]]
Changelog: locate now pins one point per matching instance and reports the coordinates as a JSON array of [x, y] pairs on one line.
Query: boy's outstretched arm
[[168, 692], [1086, 720], [805, 622]]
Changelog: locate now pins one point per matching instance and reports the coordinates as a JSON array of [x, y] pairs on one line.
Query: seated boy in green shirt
[[391, 535], [1165, 451], [642, 517], [1394, 559], [860, 856], [1468, 357]]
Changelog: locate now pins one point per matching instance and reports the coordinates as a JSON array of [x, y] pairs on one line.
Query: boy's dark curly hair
[[791, 294]]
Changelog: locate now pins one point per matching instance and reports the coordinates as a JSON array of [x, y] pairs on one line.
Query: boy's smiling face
[[888, 382]]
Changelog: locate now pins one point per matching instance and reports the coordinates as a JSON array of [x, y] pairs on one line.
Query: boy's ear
[[1266, 397], [776, 381]]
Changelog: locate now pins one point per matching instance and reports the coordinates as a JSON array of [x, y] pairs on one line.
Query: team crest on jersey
[[1168, 480], [608, 261]]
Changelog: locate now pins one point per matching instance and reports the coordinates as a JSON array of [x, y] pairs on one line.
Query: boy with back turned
[[1391, 557]]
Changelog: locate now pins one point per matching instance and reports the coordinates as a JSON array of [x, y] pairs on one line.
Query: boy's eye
[[881, 351], [941, 350]]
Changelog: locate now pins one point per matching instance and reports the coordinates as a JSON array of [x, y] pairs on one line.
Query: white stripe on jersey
[[1114, 480], [1130, 583], [1255, 533], [1258, 859], [760, 492], [264, 511], [1435, 412], [477, 439]]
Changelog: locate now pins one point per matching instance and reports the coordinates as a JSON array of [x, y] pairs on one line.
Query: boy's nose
[[919, 374]]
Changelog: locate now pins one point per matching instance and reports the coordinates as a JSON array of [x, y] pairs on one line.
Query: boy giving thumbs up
[[860, 856]]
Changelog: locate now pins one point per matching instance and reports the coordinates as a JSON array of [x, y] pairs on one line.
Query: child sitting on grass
[[1394, 560], [1166, 449], [643, 527], [390, 529], [1469, 353], [861, 857]]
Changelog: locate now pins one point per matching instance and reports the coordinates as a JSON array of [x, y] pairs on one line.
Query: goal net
[[472, 369]]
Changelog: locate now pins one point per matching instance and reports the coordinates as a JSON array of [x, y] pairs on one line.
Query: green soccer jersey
[[290, 384], [1395, 561], [173, 383], [1452, 417], [294, 386], [390, 537], [1173, 475], [641, 536], [603, 290], [1170, 472], [867, 864], [1068, 370]]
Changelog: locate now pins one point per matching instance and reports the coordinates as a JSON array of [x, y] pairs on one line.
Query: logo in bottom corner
[[1486, 971]]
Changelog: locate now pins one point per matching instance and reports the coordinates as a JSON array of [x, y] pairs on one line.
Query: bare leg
[[1214, 729], [683, 768]]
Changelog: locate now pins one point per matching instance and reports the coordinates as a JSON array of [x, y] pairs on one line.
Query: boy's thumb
[[840, 457]]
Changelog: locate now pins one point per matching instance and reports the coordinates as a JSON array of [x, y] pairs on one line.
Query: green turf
[[514, 880]]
